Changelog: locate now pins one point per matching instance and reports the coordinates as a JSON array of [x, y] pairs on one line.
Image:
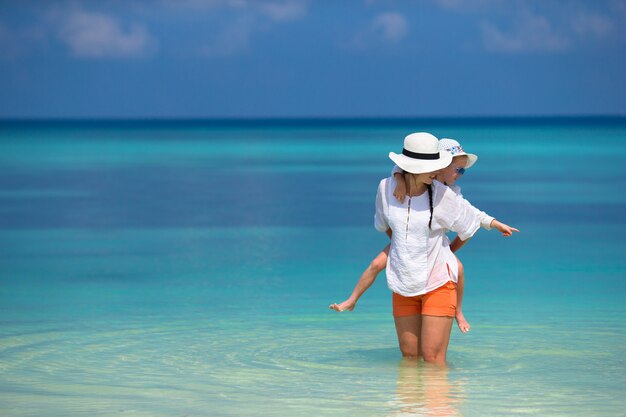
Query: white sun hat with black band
[[421, 154], [455, 148]]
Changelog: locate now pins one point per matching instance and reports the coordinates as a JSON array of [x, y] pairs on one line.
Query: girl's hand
[[505, 229], [400, 192]]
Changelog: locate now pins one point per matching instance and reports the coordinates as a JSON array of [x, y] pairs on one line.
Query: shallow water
[[170, 270]]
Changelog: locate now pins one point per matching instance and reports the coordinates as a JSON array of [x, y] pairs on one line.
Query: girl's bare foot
[[346, 305], [464, 326]]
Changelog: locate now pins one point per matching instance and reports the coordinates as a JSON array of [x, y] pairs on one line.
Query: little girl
[[461, 161]]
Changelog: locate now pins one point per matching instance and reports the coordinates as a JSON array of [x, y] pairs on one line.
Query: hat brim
[[471, 159], [420, 166]]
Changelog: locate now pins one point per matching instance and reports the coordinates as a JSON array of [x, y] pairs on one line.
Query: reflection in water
[[424, 390]]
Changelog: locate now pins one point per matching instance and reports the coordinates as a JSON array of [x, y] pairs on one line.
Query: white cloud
[[383, 30], [275, 10], [284, 11], [619, 6], [531, 34], [203, 4], [232, 40], [251, 18], [97, 35], [467, 5], [534, 26], [94, 34], [392, 26], [594, 24]]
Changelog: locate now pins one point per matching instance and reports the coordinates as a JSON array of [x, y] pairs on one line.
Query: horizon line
[[303, 118]]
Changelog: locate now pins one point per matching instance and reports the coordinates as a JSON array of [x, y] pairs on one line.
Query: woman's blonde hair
[[411, 182]]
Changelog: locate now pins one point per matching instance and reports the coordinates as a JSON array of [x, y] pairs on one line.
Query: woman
[[422, 271], [461, 161]]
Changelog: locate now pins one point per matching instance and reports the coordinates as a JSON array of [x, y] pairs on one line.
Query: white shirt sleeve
[[485, 219], [454, 213], [380, 218], [396, 170]]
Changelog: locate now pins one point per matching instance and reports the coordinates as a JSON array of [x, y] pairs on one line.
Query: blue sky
[[311, 58]]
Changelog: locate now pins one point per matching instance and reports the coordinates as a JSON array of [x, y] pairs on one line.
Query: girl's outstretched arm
[[505, 229]]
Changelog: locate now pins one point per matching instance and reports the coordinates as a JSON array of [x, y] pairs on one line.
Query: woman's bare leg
[[435, 336], [408, 329], [464, 326]]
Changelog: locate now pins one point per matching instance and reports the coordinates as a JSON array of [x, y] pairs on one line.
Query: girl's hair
[[456, 158]]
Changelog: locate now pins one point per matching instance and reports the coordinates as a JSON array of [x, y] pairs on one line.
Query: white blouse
[[419, 261], [485, 219]]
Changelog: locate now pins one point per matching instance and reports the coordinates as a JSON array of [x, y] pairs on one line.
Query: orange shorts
[[439, 302]]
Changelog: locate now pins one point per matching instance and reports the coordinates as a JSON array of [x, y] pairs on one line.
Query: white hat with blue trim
[[455, 148]]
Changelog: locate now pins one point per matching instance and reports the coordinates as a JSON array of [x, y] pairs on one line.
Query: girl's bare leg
[[367, 279], [464, 326]]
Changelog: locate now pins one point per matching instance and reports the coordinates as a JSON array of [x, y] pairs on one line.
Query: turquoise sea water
[[186, 268]]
